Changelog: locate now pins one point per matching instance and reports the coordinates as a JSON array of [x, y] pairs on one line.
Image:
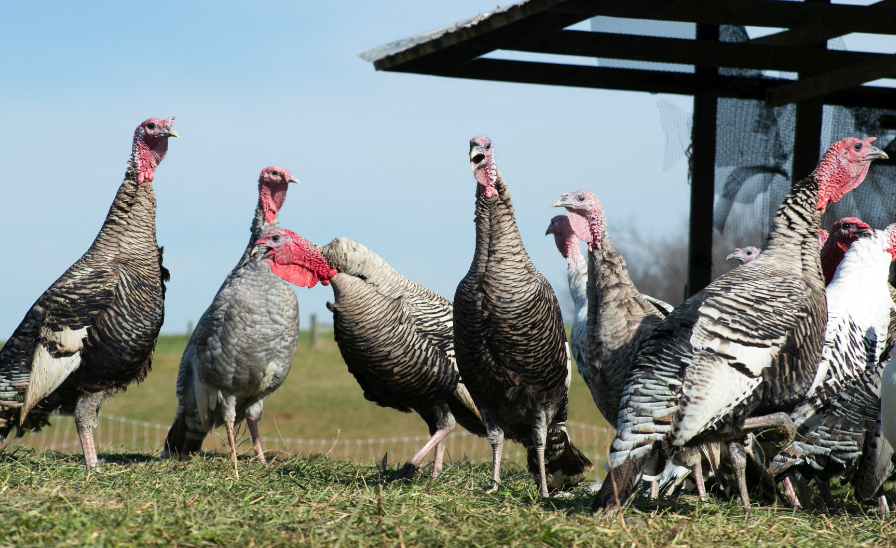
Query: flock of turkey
[[775, 375]]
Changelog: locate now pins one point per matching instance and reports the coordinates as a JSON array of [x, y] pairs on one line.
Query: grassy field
[[137, 499], [47, 499]]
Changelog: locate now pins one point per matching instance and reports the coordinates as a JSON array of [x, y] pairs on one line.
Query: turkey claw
[[407, 471]]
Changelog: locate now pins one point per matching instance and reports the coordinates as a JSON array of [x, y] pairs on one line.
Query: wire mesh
[[119, 433]]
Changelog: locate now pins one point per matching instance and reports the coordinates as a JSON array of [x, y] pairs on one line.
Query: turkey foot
[[407, 471], [439, 458], [738, 455], [231, 442], [542, 475], [256, 441], [790, 494], [697, 471], [85, 432], [779, 425], [825, 490], [497, 449]]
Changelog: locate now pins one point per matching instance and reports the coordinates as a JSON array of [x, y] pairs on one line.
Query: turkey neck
[[496, 232], [258, 229], [616, 317], [796, 226], [129, 231]]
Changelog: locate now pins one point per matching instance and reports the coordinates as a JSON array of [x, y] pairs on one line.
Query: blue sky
[[382, 156]]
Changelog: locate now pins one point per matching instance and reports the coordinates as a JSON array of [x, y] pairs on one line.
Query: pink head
[[744, 255], [565, 238], [822, 237], [150, 146], [272, 185], [586, 216], [843, 167], [482, 164], [294, 259], [843, 234]]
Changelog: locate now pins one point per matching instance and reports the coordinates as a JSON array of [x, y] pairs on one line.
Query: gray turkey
[[244, 343], [840, 412], [510, 341], [736, 357], [395, 337], [94, 330], [619, 316]]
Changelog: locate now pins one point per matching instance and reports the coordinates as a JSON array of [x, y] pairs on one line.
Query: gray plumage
[[243, 345]]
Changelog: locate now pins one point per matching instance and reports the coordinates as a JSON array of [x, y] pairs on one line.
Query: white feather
[[47, 372]]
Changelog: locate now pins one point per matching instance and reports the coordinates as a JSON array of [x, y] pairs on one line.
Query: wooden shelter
[[826, 77]]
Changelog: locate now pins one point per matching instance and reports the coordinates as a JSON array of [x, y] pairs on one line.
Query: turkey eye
[[581, 198], [276, 239], [151, 125], [857, 146]]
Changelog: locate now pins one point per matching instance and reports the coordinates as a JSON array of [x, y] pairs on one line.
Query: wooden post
[[703, 171], [189, 328], [313, 332], [807, 134]]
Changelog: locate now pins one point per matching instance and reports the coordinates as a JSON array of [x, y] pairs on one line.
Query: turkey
[[396, 339], [842, 406], [243, 345], [94, 330], [739, 355], [618, 315], [577, 278], [510, 341], [744, 255]]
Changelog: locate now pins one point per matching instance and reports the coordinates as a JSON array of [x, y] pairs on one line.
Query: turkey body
[[396, 338], [94, 330], [239, 353], [511, 346]]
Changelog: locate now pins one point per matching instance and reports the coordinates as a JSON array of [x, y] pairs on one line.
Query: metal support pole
[[703, 168], [313, 332], [807, 134]]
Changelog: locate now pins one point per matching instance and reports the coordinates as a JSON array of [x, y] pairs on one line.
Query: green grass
[[48, 499]]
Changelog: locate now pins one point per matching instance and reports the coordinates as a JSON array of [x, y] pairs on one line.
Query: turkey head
[[843, 167], [150, 146], [744, 255], [585, 215], [272, 185], [840, 239], [294, 258], [482, 164]]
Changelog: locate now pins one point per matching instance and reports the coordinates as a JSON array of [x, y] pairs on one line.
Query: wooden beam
[[832, 81], [876, 18], [703, 176], [761, 13], [691, 52], [528, 72]]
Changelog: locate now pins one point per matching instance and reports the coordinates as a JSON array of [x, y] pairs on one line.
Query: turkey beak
[[476, 157], [548, 231], [861, 232], [732, 256], [293, 180], [876, 154], [562, 202], [255, 250]]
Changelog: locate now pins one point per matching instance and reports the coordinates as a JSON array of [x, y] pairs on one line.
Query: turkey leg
[[540, 437], [697, 471], [883, 509], [231, 442], [256, 441], [824, 489], [790, 494], [439, 458], [85, 432], [410, 466], [737, 453]]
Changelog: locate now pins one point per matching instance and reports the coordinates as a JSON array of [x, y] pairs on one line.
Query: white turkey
[[243, 345], [510, 341], [94, 330], [739, 355]]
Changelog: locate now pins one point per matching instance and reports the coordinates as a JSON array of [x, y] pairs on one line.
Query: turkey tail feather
[[620, 484]]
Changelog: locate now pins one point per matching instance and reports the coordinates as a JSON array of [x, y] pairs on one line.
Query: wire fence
[[124, 434]]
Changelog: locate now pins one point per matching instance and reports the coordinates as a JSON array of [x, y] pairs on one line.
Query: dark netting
[[754, 153], [754, 147]]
